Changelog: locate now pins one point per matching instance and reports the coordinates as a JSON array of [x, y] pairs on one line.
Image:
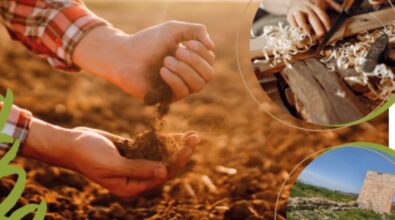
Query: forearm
[[50, 28], [277, 7], [48, 143]]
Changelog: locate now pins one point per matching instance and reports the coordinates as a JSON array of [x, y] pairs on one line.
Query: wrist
[[97, 52], [49, 144]]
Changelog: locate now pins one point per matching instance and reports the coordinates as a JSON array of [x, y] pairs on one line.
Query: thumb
[[191, 139], [334, 5], [189, 142], [183, 31], [139, 169]]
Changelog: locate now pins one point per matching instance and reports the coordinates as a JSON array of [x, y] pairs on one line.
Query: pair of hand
[[128, 60], [180, 52], [311, 15]]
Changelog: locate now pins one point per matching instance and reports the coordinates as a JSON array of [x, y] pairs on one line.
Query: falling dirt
[[151, 145]]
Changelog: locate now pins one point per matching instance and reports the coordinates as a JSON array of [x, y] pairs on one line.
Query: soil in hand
[[148, 146]]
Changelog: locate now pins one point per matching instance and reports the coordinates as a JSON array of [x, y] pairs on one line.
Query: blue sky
[[344, 169]]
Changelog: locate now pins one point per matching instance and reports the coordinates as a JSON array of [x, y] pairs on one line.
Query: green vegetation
[[352, 214], [309, 191], [303, 190]]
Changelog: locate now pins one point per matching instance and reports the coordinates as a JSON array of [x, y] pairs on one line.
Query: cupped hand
[[129, 60], [95, 156]]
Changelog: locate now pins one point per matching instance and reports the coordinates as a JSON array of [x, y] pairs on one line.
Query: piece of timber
[[353, 26], [324, 97]]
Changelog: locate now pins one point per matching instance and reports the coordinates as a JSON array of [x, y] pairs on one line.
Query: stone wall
[[377, 192]]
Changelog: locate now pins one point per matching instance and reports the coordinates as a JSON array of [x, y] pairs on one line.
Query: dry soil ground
[[235, 133]]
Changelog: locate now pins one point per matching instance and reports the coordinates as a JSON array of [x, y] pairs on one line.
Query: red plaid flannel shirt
[[17, 126], [50, 28]]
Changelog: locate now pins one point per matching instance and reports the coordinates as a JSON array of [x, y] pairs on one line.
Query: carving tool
[[349, 8], [376, 53]]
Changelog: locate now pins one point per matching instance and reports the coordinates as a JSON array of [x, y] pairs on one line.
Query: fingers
[[201, 50], [322, 16], [177, 85], [316, 24], [139, 169], [196, 62], [126, 188], [301, 21], [191, 139], [189, 142], [292, 21], [377, 2], [191, 78], [334, 5], [186, 31], [311, 17], [190, 70]]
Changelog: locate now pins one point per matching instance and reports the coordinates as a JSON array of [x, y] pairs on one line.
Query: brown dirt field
[[234, 132]]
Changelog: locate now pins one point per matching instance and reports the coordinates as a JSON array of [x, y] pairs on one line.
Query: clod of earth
[[148, 146]]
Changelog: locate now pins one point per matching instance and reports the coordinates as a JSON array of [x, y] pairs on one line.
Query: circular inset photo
[[345, 183], [325, 63]]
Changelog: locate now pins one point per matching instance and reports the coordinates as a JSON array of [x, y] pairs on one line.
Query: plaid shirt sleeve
[[50, 28], [17, 126]]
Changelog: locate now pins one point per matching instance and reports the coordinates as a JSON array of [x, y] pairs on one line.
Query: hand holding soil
[[129, 61], [95, 156]]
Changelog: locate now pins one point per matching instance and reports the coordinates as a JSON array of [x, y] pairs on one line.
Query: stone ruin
[[377, 192]]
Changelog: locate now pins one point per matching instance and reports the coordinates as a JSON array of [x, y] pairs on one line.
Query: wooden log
[[352, 26], [356, 86], [325, 99]]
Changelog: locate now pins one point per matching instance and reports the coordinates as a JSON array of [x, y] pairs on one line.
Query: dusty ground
[[235, 133]]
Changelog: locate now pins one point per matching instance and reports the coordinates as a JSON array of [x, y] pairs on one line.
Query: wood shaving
[[284, 41], [352, 55]]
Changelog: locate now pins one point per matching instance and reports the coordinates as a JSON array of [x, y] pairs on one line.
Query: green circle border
[[367, 145], [379, 147], [371, 115]]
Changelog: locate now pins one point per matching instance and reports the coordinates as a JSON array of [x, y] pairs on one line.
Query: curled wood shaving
[[352, 55], [284, 41], [386, 86]]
